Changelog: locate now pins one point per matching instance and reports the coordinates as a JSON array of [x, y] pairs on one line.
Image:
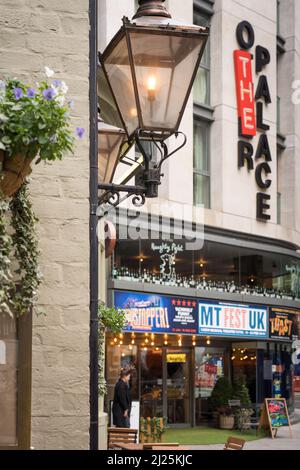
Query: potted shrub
[[218, 402], [34, 123], [241, 392]]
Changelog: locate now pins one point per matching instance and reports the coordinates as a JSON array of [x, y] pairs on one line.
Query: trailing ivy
[[25, 243], [114, 320], [7, 286]]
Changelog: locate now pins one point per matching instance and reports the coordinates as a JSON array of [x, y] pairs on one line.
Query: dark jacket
[[122, 402]]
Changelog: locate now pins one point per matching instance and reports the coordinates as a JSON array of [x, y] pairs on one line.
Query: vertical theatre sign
[[250, 114]]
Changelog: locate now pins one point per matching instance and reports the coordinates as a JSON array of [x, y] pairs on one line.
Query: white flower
[[49, 72], [64, 88], [2, 85], [60, 99]]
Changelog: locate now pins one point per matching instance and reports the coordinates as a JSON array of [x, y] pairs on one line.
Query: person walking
[[122, 401]]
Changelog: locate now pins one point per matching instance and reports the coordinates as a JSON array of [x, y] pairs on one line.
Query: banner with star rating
[[158, 313]]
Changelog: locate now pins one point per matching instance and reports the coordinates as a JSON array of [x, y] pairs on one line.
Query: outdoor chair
[[233, 443], [123, 435]]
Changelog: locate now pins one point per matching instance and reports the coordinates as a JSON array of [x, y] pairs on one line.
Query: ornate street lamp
[[146, 76]]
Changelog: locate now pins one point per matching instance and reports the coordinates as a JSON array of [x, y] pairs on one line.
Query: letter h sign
[[245, 93]]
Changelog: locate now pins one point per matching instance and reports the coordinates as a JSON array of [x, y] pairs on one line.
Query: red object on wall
[[245, 93]]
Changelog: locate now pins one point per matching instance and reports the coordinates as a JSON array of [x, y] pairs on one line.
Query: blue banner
[[173, 314], [157, 313]]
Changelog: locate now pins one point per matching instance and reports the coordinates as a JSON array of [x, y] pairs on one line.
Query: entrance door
[[151, 382], [177, 385]]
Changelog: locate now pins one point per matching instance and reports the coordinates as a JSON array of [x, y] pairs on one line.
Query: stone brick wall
[[35, 33]]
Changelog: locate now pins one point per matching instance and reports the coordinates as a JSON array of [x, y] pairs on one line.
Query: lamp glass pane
[[107, 105], [108, 152], [119, 74], [164, 66]]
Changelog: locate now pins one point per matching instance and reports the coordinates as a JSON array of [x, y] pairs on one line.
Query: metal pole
[[93, 18]]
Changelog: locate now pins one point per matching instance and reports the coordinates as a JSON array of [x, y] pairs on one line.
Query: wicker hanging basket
[[13, 171]]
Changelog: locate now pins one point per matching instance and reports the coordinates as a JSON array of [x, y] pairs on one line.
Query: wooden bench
[[120, 435], [233, 443]]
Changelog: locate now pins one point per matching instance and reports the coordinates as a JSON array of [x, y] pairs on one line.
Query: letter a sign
[[245, 93]]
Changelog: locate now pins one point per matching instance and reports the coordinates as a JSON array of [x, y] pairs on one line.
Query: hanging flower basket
[[13, 171], [34, 122]]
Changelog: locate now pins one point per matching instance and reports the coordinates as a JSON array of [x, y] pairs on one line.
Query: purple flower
[[49, 94], [31, 92], [18, 92], [80, 132], [57, 83]]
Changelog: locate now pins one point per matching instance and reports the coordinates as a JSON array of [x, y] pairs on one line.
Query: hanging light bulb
[[166, 343], [194, 343], [121, 342], [146, 340], [152, 343], [232, 358], [121, 335], [151, 87], [130, 347], [115, 340], [132, 341], [208, 341]]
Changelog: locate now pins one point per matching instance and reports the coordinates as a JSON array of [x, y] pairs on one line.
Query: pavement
[[283, 441]]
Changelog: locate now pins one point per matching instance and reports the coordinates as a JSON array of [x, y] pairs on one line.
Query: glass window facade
[[216, 267]]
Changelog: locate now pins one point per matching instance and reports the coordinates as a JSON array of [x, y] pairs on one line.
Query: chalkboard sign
[[275, 415]]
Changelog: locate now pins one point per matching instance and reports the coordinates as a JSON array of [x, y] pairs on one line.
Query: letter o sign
[[242, 28]]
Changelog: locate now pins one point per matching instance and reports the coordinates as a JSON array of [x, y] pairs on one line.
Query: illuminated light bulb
[[141, 260], [123, 354], [152, 335], [232, 358], [208, 341], [115, 340], [130, 347], [179, 343], [119, 345], [152, 343], [112, 343], [156, 349], [165, 336], [132, 341], [121, 342], [166, 343], [121, 335], [146, 340], [145, 348], [146, 334], [201, 265], [133, 112], [151, 87], [245, 357], [194, 343]]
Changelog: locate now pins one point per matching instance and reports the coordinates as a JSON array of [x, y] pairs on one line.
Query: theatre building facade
[[230, 304]]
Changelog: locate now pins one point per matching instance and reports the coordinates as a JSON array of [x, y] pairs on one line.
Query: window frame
[[207, 173]]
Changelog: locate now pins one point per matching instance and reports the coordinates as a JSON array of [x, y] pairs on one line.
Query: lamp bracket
[[112, 194], [148, 178]]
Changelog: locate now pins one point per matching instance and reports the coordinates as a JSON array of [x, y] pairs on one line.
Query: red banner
[[245, 93]]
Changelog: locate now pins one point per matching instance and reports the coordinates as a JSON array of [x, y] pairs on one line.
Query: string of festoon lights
[[241, 354], [147, 340]]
